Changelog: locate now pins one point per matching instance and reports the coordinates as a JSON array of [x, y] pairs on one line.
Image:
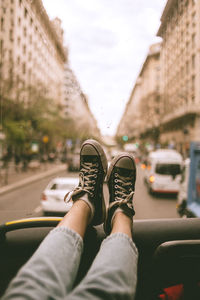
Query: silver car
[[52, 198]]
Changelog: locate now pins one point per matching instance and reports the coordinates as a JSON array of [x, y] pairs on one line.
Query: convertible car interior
[[169, 253]]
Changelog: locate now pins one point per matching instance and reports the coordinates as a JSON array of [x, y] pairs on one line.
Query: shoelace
[[87, 176], [122, 190]]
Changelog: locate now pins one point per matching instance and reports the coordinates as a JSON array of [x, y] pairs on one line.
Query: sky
[[108, 41]]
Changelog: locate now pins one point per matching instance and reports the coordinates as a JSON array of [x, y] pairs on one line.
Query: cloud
[[108, 41]]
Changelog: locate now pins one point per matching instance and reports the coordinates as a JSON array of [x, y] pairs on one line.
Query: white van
[[163, 171]]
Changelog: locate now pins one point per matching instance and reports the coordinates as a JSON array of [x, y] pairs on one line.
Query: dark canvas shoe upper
[[121, 184], [93, 168]]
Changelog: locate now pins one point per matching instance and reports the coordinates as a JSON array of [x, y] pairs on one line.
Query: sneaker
[[121, 184], [93, 169]]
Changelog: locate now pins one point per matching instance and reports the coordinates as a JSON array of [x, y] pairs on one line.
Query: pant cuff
[[121, 236], [68, 232]]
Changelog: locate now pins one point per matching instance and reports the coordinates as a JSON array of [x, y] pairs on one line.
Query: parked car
[[163, 171], [73, 161], [53, 195]]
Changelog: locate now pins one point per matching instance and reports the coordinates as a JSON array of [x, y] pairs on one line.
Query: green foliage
[[24, 122], [16, 131]]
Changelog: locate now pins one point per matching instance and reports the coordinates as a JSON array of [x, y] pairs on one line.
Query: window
[[168, 169], [193, 19], [25, 12], [193, 40], [25, 31], [193, 61], [11, 35], [193, 84], [182, 35], [187, 67], [2, 24], [19, 21], [24, 68], [187, 46], [1, 48], [18, 41], [10, 54], [24, 49]]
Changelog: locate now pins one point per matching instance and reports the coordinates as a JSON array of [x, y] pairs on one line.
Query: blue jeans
[[51, 271]]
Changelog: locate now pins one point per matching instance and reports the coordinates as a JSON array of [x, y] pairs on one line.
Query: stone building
[[180, 62], [129, 124], [76, 106], [31, 50], [142, 114]]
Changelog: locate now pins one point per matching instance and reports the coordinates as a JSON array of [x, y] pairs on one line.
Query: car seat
[[176, 270]]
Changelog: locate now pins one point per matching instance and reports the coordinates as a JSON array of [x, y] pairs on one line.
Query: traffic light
[[125, 138]]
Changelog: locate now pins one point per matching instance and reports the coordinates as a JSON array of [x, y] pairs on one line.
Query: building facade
[[180, 63], [31, 50], [142, 115], [76, 106]]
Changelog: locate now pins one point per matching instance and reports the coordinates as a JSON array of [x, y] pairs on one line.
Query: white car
[[163, 171], [52, 199]]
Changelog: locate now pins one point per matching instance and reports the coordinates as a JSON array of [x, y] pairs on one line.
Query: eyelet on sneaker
[[116, 175], [95, 175], [116, 180], [116, 186]]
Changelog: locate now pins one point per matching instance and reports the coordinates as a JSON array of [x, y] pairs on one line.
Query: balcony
[[183, 111]]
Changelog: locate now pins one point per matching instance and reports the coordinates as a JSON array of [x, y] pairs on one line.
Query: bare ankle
[[122, 223], [78, 217]]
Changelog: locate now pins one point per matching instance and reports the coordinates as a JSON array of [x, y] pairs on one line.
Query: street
[[25, 202], [152, 207]]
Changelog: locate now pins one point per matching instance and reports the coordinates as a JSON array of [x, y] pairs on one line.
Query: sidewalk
[[19, 179]]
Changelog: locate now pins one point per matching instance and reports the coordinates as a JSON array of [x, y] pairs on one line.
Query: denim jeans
[[51, 271]]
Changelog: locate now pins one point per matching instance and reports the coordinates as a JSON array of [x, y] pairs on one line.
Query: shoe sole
[[115, 160], [104, 162]]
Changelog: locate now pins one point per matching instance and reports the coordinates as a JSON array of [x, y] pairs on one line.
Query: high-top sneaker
[[93, 168], [121, 183]]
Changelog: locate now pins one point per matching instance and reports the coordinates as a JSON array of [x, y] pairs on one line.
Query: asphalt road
[[25, 202], [152, 207]]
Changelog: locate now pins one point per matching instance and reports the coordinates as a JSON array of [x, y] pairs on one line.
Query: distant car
[[73, 161], [163, 171], [52, 199]]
